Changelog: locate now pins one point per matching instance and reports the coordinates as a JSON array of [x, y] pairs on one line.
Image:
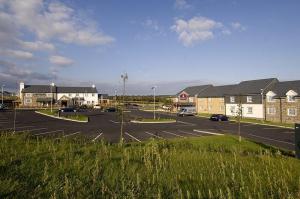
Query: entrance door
[[64, 103]]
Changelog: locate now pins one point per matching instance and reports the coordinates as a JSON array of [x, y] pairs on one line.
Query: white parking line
[[189, 133], [20, 127], [30, 130], [114, 122], [248, 124], [132, 137], [72, 134], [97, 137], [191, 124], [173, 134], [271, 128], [154, 135], [206, 132], [49, 132], [272, 139]]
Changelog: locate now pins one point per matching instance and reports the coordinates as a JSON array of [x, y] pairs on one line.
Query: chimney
[[22, 86], [93, 86]]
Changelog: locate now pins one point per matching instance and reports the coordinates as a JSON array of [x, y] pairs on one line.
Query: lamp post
[[115, 98], [124, 78], [262, 103], [2, 92], [51, 85], [153, 88]]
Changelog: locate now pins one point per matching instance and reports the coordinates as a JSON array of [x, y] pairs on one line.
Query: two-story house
[[283, 102]]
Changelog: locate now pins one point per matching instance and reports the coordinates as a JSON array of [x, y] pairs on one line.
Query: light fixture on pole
[[51, 85], [262, 102], [124, 78], [154, 88], [2, 92]]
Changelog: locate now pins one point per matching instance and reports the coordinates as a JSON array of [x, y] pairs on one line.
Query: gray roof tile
[[281, 88], [195, 90]]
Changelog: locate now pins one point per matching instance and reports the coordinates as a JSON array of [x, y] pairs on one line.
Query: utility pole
[[2, 92], [115, 98], [124, 77], [153, 88], [262, 102]]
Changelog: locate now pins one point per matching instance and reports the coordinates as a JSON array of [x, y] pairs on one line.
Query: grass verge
[[76, 116], [206, 167]]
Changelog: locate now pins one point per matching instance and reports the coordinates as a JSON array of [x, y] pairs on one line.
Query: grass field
[[76, 116], [206, 167]]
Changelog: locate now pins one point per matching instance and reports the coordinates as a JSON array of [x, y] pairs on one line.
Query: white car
[[97, 106]]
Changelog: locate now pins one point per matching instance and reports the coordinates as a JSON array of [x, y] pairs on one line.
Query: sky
[[170, 44]]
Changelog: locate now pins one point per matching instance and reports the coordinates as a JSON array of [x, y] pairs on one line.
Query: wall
[[256, 113], [87, 97], [211, 105]]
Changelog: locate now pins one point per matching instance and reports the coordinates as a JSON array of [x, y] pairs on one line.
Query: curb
[[161, 122], [61, 118]]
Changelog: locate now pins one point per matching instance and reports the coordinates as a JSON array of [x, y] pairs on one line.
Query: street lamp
[[262, 102], [51, 85], [115, 97], [154, 88], [2, 92], [124, 77]]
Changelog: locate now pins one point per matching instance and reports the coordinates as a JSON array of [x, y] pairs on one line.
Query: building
[[248, 96], [283, 102], [188, 96], [44, 95], [212, 99], [103, 99]]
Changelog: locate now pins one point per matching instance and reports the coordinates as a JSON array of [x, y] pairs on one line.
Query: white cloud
[[16, 54], [181, 4], [238, 26], [195, 30], [37, 45], [55, 21], [60, 60]]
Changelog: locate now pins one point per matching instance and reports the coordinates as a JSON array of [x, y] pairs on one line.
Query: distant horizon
[[170, 44]]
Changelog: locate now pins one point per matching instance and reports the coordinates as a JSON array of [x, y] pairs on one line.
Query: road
[[107, 126]]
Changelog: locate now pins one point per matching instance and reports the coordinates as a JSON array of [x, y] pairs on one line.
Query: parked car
[[187, 111], [218, 117], [97, 106], [110, 109], [2, 107], [68, 109]]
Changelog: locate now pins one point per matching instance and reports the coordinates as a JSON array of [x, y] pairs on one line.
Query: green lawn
[[206, 167], [76, 116], [48, 112]]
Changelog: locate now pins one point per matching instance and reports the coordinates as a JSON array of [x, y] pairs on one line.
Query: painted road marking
[[248, 124], [191, 124], [49, 132], [272, 128], [132, 137], [114, 122], [72, 134], [154, 135], [211, 133], [190, 133], [272, 139], [20, 127], [173, 134], [97, 137], [30, 130]]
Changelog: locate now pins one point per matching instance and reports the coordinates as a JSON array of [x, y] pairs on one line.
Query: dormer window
[[270, 99], [291, 96], [232, 99], [271, 96]]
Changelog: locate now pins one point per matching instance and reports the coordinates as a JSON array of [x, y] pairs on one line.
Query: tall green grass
[[207, 167]]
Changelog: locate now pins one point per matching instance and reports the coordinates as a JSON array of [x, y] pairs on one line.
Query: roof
[[281, 88], [104, 96], [217, 91], [195, 90], [253, 86], [48, 89]]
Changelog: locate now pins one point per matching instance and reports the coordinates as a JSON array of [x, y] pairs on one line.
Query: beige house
[[212, 100], [283, 102]]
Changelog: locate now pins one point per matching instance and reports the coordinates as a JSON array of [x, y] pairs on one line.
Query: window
[[77, 94], [28, 95], [93, 102], [250, 110], [270, 99], [271, 110], [291, 98], [28, 101], [88, 102], [232, 109], [49, 95], [93, 94], [292, 112], [86, 94], [232, 99], [249, 99], [70, 94]]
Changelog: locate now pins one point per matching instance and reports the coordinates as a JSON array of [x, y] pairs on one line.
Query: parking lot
[[107, 126]]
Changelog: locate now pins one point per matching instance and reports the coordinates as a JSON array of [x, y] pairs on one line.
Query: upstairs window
[[70, 94], [77, 94], [250, 110], [93, 94], [28, 95], [291, 98], [249, 99], [292, 112], [232, 109], [270, 99], [232, 99]]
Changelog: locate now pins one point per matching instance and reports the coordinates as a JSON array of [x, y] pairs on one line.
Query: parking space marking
[[271, 128], [114, 122], [167, 132], [190, 133], [98, 136], [187, 123], [271, 139], [133, 137], [206, 132], [72, 134], [154, 135], [49, 132], [20, 127], [30, 130]]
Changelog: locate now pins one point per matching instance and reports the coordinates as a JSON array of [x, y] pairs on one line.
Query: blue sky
[[171, 44]]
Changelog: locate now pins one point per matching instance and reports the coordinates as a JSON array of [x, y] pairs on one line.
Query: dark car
[[69, 109], [218, 117], [111, 109]]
